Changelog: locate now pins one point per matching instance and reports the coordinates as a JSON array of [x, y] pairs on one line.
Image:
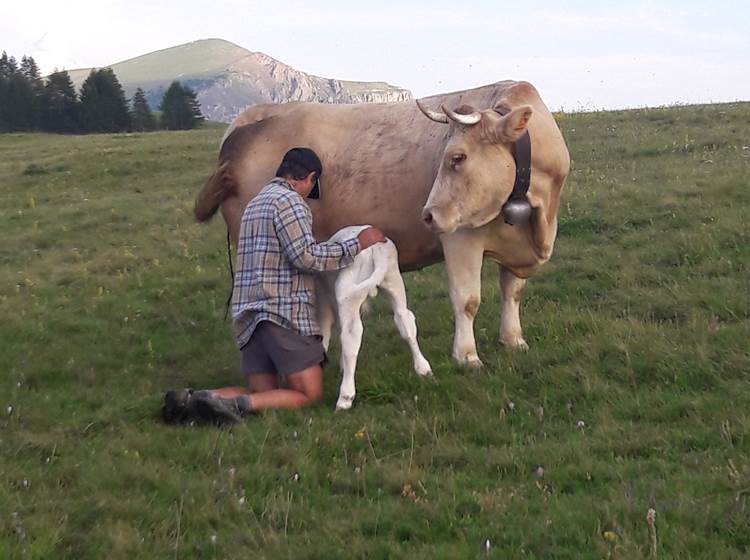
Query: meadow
[[634, 395]]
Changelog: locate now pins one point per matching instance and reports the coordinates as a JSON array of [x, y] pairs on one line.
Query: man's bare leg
[[305, 388], [257, 383]]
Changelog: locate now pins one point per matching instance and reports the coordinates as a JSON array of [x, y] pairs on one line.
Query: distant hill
[[229, 78]]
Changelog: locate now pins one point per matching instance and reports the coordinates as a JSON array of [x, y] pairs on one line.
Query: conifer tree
[[8, 65], [180, 109], [30, 71], [60, 104], [141, 117], [16, 97], [103, 104]]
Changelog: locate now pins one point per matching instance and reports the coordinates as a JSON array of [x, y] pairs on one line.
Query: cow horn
[[432, 115], [471, 118]]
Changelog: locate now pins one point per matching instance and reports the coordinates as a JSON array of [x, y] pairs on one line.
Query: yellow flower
[[610, 536]]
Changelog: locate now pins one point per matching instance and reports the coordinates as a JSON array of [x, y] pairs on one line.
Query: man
[[273, 302]]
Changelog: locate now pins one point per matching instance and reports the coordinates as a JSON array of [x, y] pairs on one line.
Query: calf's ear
[[513, 125]]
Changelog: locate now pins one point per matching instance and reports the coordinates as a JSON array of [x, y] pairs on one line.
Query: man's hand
[[370, 236]]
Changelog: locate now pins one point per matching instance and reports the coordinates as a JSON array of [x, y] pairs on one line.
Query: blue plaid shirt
[[276, 255]]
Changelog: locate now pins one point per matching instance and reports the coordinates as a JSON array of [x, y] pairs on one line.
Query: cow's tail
[[216, 188]]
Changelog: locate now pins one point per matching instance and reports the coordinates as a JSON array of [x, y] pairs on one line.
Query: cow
[[341, 295], [435, 186]]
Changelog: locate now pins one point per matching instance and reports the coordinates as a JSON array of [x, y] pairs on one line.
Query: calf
[[341, 295]]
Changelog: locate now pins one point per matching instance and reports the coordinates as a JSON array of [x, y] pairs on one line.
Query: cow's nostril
[[427, 217]]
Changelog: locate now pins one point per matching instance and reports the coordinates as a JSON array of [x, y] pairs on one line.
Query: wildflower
[[609, 536], [580, 424]]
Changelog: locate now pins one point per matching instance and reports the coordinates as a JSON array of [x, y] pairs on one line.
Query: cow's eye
[[457, 159]]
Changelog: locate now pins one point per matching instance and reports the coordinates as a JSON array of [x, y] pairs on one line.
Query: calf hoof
[[344, 403], [423, 369]]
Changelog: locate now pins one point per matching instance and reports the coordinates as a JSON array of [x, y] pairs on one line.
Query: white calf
[[341, 295]]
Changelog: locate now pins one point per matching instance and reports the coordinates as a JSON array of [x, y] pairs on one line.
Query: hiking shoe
[[176, 405], [222, 411], [180, 405]]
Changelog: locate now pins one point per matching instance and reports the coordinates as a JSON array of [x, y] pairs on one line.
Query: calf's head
[[477, 170]]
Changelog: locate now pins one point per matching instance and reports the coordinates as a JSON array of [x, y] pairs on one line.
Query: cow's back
[[379, 163]]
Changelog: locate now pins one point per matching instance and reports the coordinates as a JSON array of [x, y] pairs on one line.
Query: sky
[[580, 54]]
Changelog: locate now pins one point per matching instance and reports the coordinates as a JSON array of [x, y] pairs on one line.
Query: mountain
[[229, 78]]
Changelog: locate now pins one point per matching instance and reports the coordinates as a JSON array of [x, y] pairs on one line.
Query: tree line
[[29, 102]]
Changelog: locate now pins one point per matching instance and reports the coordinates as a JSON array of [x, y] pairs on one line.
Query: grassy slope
[[206, 57], [638, 326]]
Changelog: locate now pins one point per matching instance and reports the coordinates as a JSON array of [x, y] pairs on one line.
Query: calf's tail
[[381, 261]]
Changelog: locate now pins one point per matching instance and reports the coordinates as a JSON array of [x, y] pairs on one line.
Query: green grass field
[[635, 393]]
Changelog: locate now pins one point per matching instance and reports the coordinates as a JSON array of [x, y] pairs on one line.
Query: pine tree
[[103, 104], [195, 106], [60, 111], [8, 66], [141, 117], [179, 108], [30, 71], [16, 97]]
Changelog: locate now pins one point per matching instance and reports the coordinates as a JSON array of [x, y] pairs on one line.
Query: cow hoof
[[515, 344], [474, 363], [344, 403]]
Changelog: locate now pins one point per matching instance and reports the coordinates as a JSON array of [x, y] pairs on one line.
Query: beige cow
[[434, 186]]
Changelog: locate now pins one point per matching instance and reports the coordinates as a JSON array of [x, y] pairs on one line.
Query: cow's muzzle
[[436, 221]]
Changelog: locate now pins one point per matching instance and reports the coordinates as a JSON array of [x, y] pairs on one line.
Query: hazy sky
[[580, 54]]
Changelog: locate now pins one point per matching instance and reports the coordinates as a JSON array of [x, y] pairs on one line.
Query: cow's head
[[477, 170]]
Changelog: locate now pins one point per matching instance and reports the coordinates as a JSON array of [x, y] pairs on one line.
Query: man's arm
[[293, 224]]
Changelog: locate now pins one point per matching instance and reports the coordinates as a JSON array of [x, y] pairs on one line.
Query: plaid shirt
[[276, 255]]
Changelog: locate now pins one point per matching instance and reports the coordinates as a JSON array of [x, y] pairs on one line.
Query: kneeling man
[[273, 301]]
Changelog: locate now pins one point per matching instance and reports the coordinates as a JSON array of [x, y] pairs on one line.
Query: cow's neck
[[521, 151]]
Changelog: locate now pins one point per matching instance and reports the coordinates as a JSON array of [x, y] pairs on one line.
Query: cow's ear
[[513, 125]]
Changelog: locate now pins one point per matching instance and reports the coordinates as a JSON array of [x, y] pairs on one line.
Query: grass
[[634, 395]]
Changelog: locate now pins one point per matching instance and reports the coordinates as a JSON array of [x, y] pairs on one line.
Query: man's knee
[[314, 394]]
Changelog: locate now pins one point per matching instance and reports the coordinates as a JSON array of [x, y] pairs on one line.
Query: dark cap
[[304, 161]]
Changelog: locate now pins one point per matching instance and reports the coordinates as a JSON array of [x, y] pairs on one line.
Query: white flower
[[581, 424]]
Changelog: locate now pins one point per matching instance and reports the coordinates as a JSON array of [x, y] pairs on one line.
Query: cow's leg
[[463, 260], [511, 287], [394, 291], [351, 339]]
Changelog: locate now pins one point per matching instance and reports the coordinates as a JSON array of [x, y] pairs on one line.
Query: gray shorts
[[274, 349]]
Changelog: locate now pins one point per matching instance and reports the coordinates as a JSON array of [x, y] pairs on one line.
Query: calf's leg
[[351, 340], [394, 291]]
